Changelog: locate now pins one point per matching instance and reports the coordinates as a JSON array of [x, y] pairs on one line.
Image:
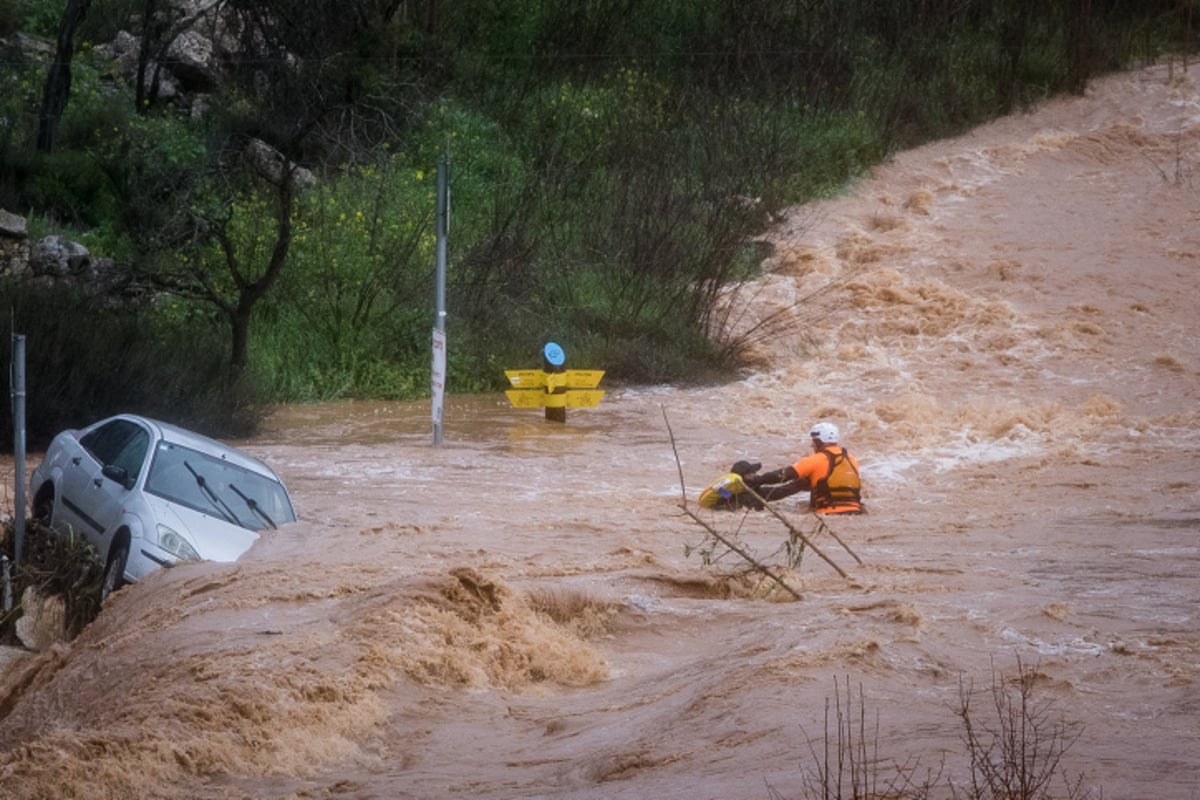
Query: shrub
[[1016, 753], [72, 188], [33, 16], [160, 361], [52, 565], [847, 764]]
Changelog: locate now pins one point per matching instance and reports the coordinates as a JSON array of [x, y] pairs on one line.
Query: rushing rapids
[[1003, 327]]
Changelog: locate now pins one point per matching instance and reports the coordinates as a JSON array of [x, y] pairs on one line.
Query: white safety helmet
[[824, 432]]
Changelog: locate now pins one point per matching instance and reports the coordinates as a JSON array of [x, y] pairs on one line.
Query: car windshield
[[218, 488]]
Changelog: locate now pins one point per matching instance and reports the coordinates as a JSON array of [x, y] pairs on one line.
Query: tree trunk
[[58, 78], [239, 324], [250, 292], [149, 9]]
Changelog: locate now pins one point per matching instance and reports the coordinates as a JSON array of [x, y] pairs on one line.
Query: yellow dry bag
[[722, 490]]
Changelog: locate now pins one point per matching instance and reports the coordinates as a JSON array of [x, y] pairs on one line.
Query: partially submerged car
[[147, 494]]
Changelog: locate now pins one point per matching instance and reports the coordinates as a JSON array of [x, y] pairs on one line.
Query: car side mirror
[[118, 474]]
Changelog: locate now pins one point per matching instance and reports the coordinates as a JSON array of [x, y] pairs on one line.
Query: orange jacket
[[832, 474]]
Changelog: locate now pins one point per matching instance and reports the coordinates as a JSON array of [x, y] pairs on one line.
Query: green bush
[[32, 16], [110, 358], [72, 188]]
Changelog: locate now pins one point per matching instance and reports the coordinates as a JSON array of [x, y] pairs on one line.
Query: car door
[[92, 501]]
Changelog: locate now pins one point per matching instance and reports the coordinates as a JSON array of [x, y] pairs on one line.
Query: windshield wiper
[[254, 506], [217, 502]]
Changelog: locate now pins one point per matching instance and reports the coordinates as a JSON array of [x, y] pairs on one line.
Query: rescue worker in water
[[829, 474]]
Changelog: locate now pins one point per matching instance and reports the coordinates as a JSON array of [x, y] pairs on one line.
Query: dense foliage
[[611, 164]]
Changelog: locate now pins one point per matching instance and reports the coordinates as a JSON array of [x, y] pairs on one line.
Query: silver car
[[147, 494]]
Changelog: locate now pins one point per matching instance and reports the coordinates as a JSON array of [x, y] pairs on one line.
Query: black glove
[[774, 476]]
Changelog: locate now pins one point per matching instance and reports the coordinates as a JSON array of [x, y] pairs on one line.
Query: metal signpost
[[438, 387], [438, 378]]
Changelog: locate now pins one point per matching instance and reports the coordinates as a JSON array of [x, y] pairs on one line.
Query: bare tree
[[1020, 754]]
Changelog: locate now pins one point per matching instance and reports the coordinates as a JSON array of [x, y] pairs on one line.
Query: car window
[[133, 454], [106, 442], [218, 488]]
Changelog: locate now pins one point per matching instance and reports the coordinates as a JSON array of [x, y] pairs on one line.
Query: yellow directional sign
[[574, 388], [571, 379], [526, 378], [526, 399], [582, 398], [578, 398]]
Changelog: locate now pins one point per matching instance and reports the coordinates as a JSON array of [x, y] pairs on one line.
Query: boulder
[[58, 257], [12, 226], [270, 164], [124, 51], [22, 46], [56, 260], [191, 60]]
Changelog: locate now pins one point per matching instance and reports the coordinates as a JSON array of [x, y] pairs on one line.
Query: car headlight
[[172, 542]]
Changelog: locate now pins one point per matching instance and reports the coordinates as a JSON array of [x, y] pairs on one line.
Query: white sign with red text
[[438, 384]]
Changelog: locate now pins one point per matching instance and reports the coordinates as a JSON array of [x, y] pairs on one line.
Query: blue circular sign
[[554, 354]]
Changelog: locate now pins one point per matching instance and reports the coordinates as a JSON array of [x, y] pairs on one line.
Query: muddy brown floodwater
[[1004, 326]]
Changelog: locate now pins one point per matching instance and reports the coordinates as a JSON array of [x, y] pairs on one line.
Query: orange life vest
[[840, 489], [832, 475]]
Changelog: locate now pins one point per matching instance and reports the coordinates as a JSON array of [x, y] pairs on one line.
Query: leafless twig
[[753, 562]]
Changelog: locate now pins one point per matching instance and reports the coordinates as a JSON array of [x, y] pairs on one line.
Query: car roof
[[181, 436]]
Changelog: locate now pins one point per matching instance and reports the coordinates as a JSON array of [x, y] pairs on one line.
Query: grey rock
[[270, 164], [190, 59], [12, 226], [57, 256]]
